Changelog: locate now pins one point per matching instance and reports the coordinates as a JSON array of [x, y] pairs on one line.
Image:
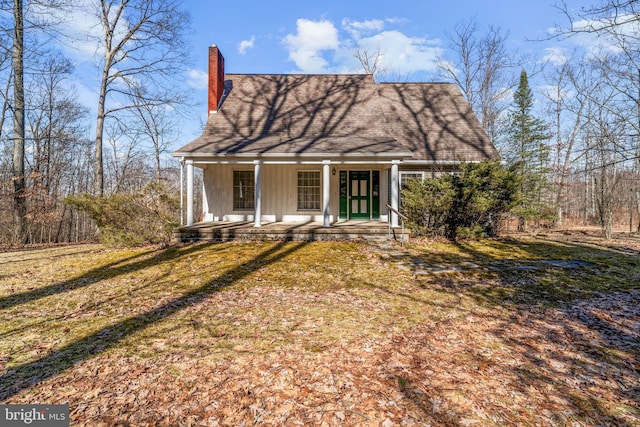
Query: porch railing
[[402, 220]]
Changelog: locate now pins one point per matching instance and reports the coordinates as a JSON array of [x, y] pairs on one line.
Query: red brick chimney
[[216, 78]]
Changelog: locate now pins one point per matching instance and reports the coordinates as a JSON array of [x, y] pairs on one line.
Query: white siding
[[279, 193]]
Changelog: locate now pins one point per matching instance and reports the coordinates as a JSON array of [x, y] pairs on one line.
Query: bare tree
[[22, 20], [566, 96], [482, 67], [609, 16], [156, 123], [142, 41], [614, 24], [19, 196], [371, 61], [7, 73], [603, 137], [55, 125]]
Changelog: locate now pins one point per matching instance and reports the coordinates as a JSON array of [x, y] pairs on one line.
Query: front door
[[359, 197]]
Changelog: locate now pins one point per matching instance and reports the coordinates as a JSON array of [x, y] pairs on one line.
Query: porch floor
[[222, 231]]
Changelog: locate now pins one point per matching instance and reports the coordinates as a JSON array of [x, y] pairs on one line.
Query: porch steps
[[245, 231]]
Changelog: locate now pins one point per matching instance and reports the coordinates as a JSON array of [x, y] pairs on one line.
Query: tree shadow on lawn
[[571, 328], [548, 273], [10, 256], [30, 374], [111, 270]]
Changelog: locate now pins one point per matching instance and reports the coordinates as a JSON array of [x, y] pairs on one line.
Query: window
[[243, 190], [406, 176], [309, 190]]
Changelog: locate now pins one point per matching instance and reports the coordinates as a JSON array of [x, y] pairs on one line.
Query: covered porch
[[223, 231], [293, 193]]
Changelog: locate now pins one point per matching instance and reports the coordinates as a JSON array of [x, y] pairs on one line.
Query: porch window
[[309, 190], [243, 190], [406, 176]]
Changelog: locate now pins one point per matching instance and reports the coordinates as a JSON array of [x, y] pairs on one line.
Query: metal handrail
[[401, 216]]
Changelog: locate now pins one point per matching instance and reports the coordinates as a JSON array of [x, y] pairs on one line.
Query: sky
[[320, 36], [292, 36]]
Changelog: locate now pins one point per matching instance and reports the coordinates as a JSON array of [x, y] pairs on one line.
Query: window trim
[[403, 174], [250, 201], [318, 194]]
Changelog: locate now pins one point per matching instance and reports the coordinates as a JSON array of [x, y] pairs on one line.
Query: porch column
[[326, 192], [182, 191], [395, 189], [189, 192], [258, 192]]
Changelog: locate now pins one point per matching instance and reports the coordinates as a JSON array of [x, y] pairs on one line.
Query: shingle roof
[[310, 115]]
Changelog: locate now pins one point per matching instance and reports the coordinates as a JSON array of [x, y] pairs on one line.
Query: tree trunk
[[99, 173], [19, 195], [638, 209], [102, 99], [522, 225]]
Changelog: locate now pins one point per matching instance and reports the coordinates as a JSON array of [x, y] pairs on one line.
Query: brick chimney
[[216, 78]]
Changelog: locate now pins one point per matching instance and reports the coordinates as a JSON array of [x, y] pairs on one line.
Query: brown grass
[[325, 333]]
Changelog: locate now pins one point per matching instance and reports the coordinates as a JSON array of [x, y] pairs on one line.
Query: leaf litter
[[320, 334]]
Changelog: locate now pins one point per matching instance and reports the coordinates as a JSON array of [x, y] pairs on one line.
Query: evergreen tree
[[528, 154], [469, 204]]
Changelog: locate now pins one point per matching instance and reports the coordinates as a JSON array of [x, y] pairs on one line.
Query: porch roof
[[303, 147]]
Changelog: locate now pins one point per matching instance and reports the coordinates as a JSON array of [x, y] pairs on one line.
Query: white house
[[326, 148]]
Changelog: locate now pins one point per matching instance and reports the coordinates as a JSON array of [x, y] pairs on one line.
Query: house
[[325, 148]]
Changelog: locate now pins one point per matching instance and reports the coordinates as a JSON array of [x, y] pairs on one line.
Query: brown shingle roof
[[341, 115]]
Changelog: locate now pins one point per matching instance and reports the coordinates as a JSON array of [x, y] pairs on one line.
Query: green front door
[[359, 197]]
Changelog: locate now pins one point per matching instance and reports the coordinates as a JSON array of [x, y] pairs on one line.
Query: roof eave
[[390, 155]]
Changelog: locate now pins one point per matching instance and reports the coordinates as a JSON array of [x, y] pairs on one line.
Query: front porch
[[223, 231]]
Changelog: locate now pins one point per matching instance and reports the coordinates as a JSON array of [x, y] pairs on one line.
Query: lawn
[[522, 331]]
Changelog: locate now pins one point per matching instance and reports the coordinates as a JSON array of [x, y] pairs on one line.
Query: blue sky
[[293, 36], [283, 36]]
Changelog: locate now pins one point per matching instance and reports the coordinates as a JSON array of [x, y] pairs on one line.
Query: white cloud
[[396, 20], [605, 35], [83, 31], [197, 79], [404, 54], [246, 44], [551, 92], [555, 55], [79, 25], [306, 47], [357, 28], [319, 47]]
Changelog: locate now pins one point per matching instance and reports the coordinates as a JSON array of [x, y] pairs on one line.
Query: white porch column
[[326, 192], [395, 190], [258, 192], [189, 192], [182, 191]]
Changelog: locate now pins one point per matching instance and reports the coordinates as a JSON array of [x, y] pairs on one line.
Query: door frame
[[373, 194], [359, 176]]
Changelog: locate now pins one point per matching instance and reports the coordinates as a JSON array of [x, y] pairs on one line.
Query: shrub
[[427, 204], [468, 205], [131, 219]]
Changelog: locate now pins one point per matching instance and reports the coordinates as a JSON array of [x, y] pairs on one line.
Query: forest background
[[571, 128]]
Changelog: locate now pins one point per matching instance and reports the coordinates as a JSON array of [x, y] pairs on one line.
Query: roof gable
[[308, 115]]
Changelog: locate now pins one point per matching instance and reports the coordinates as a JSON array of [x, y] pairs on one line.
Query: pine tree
[[529, 154]]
